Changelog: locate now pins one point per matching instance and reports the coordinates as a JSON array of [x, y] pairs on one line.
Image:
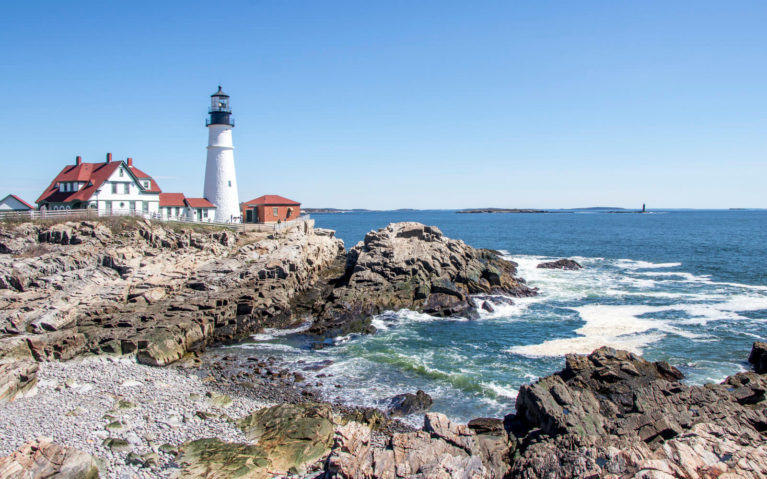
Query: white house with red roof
[[176, 206], [112, 187], [119, 188], [14, 203]]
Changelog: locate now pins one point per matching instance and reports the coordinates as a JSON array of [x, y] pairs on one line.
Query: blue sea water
[[688, 287]]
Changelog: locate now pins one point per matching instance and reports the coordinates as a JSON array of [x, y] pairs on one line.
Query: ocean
[[685, 286]]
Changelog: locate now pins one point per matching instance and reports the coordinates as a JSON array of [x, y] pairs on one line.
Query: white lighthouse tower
[[220, 178]]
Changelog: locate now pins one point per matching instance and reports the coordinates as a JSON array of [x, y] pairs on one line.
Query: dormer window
[[146, 184]]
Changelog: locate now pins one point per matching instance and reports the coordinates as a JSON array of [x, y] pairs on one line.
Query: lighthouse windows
[[230, 182]]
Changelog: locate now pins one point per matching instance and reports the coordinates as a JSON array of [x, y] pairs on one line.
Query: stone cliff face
[[410, 265], [78, 288], [613, 414]]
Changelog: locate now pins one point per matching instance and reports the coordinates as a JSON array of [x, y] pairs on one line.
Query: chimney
[[109, 157], [130, 161], [79, 160]]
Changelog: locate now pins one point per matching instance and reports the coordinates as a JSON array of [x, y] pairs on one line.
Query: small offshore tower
[[220, 178]]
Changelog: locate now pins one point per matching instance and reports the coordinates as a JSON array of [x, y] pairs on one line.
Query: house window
[[274, 211], [205, 213], [114, 188], [127, 188], [121, 172], [133, 206], [145, 207]]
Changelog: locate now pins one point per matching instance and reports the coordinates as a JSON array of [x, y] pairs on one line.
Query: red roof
[[153, 186], [21, 201], [93, 174], [272, 200], [199, 203], [172, 199]]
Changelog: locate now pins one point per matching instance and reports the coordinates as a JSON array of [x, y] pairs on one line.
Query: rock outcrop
[[440, 449], [144, 288], [410, 265], [561, 264], [43, 459], [758, 357], [613, 414]]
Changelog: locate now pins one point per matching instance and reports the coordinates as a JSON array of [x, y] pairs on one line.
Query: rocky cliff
[[145, 288], [413, 266]]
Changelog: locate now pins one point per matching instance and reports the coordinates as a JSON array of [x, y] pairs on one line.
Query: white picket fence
[[94, 214]]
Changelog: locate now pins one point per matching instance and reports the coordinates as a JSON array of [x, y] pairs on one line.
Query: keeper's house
[[119, 188], [112, 187], [270, 209]]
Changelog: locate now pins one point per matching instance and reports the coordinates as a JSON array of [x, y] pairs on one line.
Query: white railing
[[94, 214]]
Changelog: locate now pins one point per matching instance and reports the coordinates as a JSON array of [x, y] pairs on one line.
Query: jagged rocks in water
[[561, 264], [613, 412], [408, 403], [758, 357], [43, 459], [413, 266]]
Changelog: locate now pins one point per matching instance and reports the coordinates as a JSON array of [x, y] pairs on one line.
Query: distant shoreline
[[501, 210]]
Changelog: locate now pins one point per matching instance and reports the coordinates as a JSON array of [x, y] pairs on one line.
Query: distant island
[[500, 210], [311, 211]]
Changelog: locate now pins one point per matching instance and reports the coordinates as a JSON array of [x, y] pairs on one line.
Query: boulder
[[43, 459], [561, 264], [17, 379], [216, 459], [758, 357], [408, 403], [291, 435]]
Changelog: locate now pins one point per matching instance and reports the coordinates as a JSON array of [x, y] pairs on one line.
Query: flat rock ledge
[[410, 266]]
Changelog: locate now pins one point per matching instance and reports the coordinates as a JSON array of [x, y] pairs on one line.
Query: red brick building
[[270, 209]]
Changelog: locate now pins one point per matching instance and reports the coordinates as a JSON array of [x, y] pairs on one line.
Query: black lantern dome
[[220, 111]]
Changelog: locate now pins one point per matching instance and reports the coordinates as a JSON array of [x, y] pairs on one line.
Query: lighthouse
[[220, 179]]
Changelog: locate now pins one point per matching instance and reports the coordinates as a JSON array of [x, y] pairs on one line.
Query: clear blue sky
[[425, 104]]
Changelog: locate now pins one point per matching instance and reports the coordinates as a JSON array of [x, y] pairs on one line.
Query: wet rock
[[568, 264], [408, 403], [758, 357], [43, 459]]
